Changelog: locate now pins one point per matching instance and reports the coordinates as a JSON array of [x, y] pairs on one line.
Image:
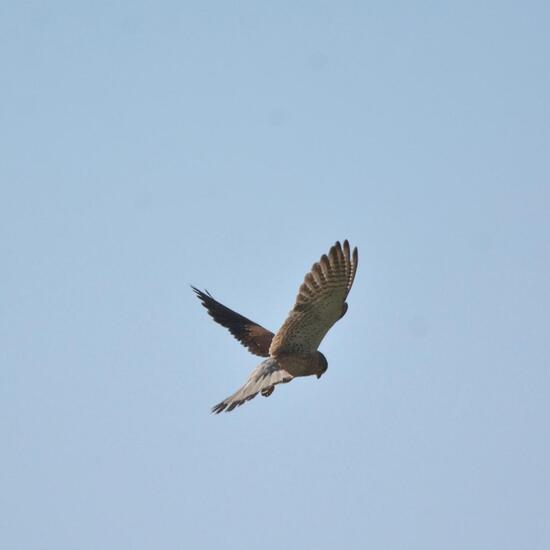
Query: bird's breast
[[299, 365]]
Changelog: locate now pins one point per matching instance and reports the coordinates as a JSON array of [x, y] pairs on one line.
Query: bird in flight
[[292, 351]]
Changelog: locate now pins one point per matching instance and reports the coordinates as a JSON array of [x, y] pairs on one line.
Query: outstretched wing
[[321, 301], [251, 335], [263, 379]]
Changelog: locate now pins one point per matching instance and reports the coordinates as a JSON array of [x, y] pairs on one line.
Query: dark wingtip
[[202, 295], [197, 291]]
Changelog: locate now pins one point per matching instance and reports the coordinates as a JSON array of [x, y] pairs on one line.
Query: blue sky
[[147, 146]]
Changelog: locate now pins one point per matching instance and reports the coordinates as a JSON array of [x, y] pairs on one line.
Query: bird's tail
[[263, 379]]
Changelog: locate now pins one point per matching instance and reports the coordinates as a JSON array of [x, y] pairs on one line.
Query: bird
[[292, 351]]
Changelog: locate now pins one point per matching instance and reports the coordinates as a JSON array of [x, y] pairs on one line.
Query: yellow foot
[[268, 391]]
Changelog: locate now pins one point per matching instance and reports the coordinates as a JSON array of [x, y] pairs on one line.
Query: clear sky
[[146, 146]]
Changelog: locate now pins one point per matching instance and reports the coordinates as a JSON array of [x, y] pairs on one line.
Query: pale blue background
[[149, 145]]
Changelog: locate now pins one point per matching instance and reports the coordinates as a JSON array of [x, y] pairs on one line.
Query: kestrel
[[292, 351]]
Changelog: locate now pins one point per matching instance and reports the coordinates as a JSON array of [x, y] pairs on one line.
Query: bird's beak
[[319, 376]]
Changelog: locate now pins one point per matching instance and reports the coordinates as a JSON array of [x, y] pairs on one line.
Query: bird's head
[[323, 364]]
